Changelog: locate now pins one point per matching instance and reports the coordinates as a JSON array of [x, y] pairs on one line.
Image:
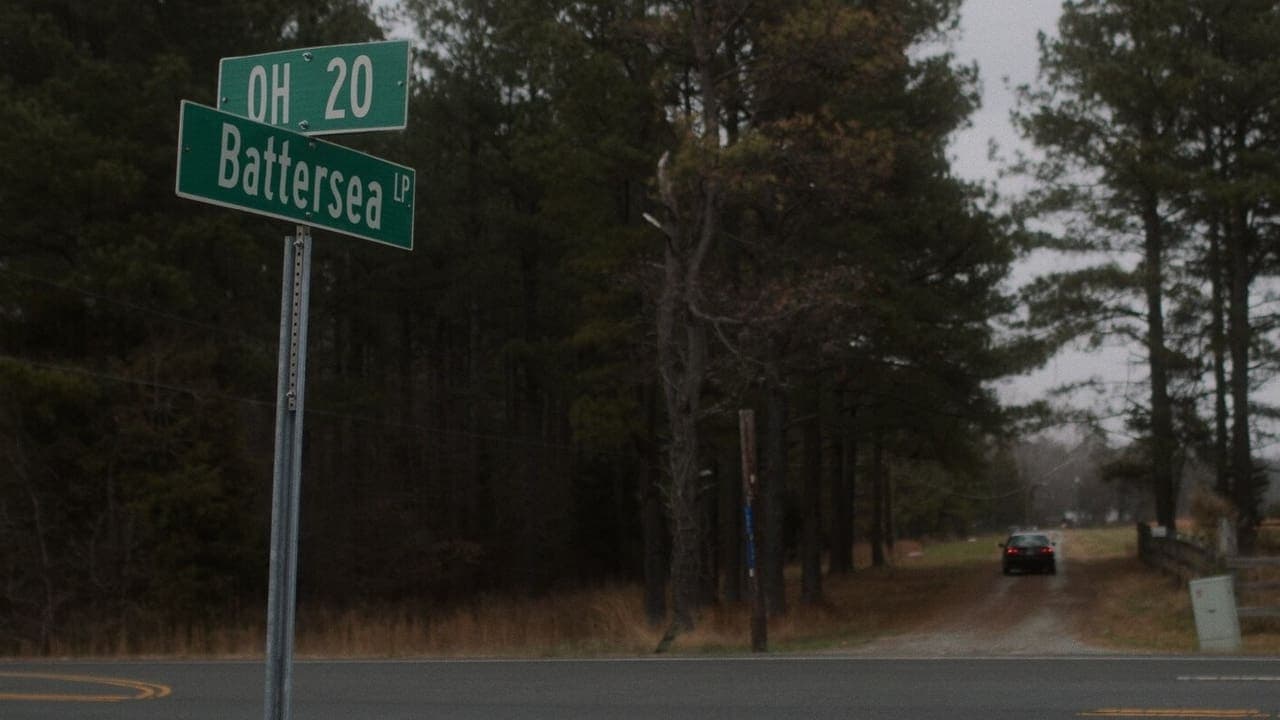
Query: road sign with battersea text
[[231, 161]]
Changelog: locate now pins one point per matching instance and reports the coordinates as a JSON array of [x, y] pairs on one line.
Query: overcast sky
[[1001, 36]]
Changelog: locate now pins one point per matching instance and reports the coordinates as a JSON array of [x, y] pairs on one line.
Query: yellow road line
[[142, 690], [1174, 713]]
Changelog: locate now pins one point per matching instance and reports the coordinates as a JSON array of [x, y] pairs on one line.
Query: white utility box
[[1213, 599]]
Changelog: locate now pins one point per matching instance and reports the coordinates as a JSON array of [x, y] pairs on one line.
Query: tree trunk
[[691, 227], [890, 526], [709, 500], [811, 536], [775, 512], [653, 520], [655, 556], [876, 534], [686, 526], [1218, 344], [845, 454], [682, 353], [732, 583], [682, 356], [1239, 335], [1163, 442]]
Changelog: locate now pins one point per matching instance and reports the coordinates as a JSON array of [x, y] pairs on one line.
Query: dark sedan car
[[1028, 552]]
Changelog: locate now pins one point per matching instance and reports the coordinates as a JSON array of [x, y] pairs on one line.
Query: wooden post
[[759, 623]]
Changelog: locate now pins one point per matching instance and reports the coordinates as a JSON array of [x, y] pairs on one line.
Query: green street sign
[[321, 90], [228, 160]]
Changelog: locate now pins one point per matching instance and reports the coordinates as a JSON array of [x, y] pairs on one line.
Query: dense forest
[[633, 220]]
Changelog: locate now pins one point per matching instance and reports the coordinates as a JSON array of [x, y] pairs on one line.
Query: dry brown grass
[[609, 620], [230, 640], [923, 581], [603, 621], [1132, 608], [855, 610], [1126, 605], [1122, 605], [600, 622]]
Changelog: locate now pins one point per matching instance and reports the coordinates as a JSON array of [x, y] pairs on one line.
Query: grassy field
[[1128, 607]]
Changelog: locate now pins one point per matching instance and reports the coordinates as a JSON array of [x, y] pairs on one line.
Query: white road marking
[[1229, 678]]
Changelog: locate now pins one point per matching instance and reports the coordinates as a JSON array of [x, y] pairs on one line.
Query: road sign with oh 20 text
[[228, 160], [320, 90]]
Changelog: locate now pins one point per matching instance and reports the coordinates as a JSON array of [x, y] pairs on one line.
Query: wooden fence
[[1257, 578]]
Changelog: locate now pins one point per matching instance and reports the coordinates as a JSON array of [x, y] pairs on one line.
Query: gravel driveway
[[999, 615]]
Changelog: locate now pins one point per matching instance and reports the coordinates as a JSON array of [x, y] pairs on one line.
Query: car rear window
[[1025, 541]]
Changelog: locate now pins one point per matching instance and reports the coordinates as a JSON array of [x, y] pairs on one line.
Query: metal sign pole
[[287, 476]]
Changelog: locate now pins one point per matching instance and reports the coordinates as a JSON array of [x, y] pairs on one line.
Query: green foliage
[[134, 330], [1145, 118], [494, 390]]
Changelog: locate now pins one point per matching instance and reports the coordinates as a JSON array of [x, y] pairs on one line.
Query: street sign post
[[228, 160], [256, 154], [321, 90], [286, 485]]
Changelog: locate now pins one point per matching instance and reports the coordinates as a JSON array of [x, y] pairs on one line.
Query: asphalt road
[[951, 688]]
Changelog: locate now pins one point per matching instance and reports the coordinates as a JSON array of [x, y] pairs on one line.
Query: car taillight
[[1012, 551], [1046, 551]]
